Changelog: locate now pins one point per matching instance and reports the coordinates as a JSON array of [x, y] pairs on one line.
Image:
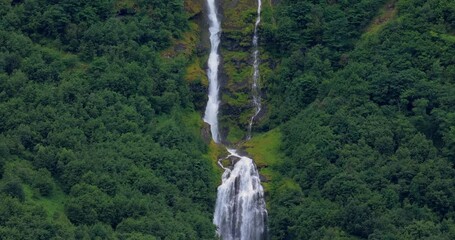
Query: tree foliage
[[94, 142], [367, 120]]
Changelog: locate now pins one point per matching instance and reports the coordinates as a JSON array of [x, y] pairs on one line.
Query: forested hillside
[[367, 122], [98, 135], [101, 105]]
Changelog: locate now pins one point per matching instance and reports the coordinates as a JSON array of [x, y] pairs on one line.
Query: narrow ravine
[[240, 211]]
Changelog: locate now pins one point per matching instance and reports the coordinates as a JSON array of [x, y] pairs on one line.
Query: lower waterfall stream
[[240, 212]]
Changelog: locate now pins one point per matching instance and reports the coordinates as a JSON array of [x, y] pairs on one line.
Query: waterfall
[[255, 87], [240, 212], [213, 104], [240, 207]]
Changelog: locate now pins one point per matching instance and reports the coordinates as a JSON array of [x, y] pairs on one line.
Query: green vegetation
[[237, 66], [238, 26], [101, 135], [386, 13], [215, 153], [99, 138], [235, 133], [366, 121], [265, 150]]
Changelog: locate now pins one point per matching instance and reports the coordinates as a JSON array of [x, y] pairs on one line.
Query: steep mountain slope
[[101, 105], [366, 121], [99, 138]]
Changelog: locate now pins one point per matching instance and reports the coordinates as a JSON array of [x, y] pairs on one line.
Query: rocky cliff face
[[238, 18], [238, 27]]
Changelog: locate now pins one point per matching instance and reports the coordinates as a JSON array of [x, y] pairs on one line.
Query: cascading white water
[[240, 212], [213, 104], [255, 87]]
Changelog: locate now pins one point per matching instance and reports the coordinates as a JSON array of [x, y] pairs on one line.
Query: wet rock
[[206, 134], [226, 163], [233, 160], [263, 178], [229, 162]]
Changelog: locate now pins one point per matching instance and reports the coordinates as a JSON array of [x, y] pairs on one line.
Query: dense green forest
[[100, 123], [368, 119], [98, 134]]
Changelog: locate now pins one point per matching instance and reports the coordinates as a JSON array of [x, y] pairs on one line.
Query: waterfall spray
[[240, 212]]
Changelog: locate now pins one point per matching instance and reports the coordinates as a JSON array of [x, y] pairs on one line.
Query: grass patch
[[235, 133], [265, 150], [193, 122], [287, 185], [192, 7], [54, 205], [216, 152], [385, 14], [70, 61], [444, 36], [195, 73]]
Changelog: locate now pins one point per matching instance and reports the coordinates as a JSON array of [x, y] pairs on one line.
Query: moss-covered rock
[[236, 48], [238, 18], [193, 7]]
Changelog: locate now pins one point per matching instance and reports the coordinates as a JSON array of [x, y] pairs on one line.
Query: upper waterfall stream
[[240, 212], [256, 62]]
